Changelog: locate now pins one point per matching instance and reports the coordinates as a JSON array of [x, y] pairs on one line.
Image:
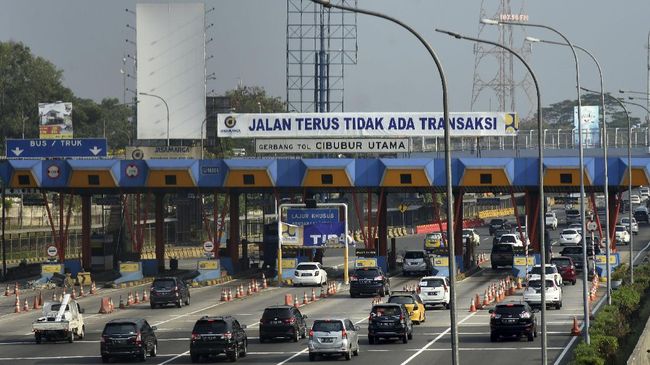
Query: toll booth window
[[486, 178], [405, 179], [249, 179], [566, 179], [327, 179], [23, 180], [93, 179], [170, 179]]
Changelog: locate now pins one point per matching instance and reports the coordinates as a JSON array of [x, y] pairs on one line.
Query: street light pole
[[540, 151], [166, 107], [606, 177], [447, 136]]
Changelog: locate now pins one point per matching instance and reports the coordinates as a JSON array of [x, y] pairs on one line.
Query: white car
[[625, 222], [622, 235], [470, 233], [645, 192], [533, 293], [511, 239], [576, 226], [635, 199], [309, 273], [550, 220], [570, 237], [535, 273], [434, 290]]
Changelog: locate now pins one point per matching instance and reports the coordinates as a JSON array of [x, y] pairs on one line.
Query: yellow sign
[[602, 259], [288, 264], [365, 263], [209, 265], [403, 207], [441, 261], [83, 278], [521, 261], [51, 269], [129, 267]]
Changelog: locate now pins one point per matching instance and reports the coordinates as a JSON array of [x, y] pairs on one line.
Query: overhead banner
[[338, 145], [355, 125], [162, 152], [590, 126], [305, 216], [55, 120]]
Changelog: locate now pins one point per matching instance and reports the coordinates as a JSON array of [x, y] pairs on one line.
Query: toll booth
[[101, 251]]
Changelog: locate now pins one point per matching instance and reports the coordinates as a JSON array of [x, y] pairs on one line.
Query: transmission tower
[[503, 83], [320, 43]]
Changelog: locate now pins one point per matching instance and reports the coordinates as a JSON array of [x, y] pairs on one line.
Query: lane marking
[[174, 358]]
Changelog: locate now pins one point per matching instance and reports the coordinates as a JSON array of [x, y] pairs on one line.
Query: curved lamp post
[[540, 144], [585, 297], [450, 205], [166, 107]]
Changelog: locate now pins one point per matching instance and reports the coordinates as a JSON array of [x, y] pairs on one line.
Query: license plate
[[512, 320], [209, 338], [119, 341], [433, 293], [327, 340], [276, 322], [385, 324]]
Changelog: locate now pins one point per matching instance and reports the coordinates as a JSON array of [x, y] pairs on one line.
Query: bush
[[610, 321], [627, 299], [587, 355]]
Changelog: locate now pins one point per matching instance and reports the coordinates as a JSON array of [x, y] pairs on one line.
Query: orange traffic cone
[[36, 304], [486, 299], [122, 305], [519, 285], [264, 284], [40, 298], [477, 301], [223, 295], [81, 291], [313, 295], [575, 330], [17, 305], [472, 308], [250, 289], [26, 306], [145, 296], [7, 291], [137, 298], [304, 298], [229, 297], [295, 302], [111, 306], [16, 290], [93, 289]]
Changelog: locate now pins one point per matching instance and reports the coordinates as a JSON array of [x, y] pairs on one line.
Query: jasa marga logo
[[512, 123]]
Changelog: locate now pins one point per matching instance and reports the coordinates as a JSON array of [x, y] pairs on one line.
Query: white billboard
[[55, 120], [171, 66], [356, 125]]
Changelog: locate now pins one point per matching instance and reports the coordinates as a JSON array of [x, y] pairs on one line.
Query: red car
[[566, 268]]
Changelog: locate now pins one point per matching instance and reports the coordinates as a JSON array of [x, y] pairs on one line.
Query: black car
[[369, 281], [498, 223], [389, 320], [575, 253], [169, 290], [512, 319], [641, 215], [133, 338], [282, 321], [502, 254], [213, 336]]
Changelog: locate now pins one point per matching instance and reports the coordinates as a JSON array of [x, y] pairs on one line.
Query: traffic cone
[[36, 304], [237, 293], [17, 305], [7, 291], [81, 291], [477, 301], [111, 305], [40, 299], [223, 295], [93, 289], [313, 295], [16, 290], [229, 297], [145, 296], [519, 285], [250, 289], [122, 305], [241, 290], [54, 296], [575, 330], [61, 296], [489, 295], [264, 284], [137, 298], [486, 300], [304, 298], [295, 302], [74, 295], [472, 307], [513, 287], [26, 306]]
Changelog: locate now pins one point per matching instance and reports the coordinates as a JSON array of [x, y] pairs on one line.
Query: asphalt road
[[431, 342]]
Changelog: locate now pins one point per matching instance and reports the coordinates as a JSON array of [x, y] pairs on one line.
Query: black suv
[[133, 338], [498, 223], [369, 280], [641, 215], [169, 290], [575, 253], [512, 319], [389, 320], [502, 254], [213, 336], [282, 321]]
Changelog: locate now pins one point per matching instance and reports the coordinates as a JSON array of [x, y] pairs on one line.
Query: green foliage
[[626, 299], [587, 355], [610, 321]]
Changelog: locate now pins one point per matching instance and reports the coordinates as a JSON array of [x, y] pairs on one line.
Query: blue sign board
[[43, 148], [324, 234], [303, 217]]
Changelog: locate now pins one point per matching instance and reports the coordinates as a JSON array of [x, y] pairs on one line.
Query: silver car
[[334, 336]]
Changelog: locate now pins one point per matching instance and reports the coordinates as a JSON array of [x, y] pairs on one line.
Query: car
[[551, 272], [333, 336], [416, 262], [61, 321], [576, 226], [511, 239], [471, 235], [512, 319], [570, 237], [532, 294], [566, 268], [550, 220], [389, 320], [572, 216], [635, 199], [625, 222], [130, 338], [216, 335], [622, 235], [169, 290], [502, 254], [498, 233], [434, 290], [644, 192], [576, 254], [434, 240], [497, 223], [369, 281], [282, 321], [309, 273], [641, 214], [412, 302]]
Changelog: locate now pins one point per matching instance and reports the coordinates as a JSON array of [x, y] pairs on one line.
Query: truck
[[61, 321], [550, 220]]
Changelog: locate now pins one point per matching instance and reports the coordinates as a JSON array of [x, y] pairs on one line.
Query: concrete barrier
[[130, 271], [48, 270], [640, 355], [208, 270]]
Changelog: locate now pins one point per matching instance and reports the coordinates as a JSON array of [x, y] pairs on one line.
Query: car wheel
[[348, 354], [143, 356], [194, 358], [296, 335], [446, 305], [382, 292], [105, 359], [494, 337], [81, 334], [494, 267], [405, 339], [71, 337], [356, 352], [242, 353], [312, 357], [37, 337], [152, 305], [559, 305], [154, 350], [530, 337], [187, 302], [232, 356], [262, 339], [573, 282], [535, 332], [371, 340], [410, 335]]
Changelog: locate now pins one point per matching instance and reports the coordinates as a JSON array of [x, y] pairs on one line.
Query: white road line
[[434, 340], [174, 358]]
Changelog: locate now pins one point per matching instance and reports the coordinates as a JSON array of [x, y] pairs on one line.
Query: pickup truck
[[550, 220], [61, 321]]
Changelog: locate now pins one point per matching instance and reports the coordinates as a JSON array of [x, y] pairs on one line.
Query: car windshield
[[497, 221], [276, 313], [120, 329], [550, 215], [327, 326], [434, 236], [572, 212], [537, 270], [511, 309], [164, 284], [306, 267], [571, 250], [414, 255], [367, 273], [468, 231], [569, 232], [625, 220], [210, 326], [506, 238], [561, 262], [386, 311], [432, 283], [620, 229], [538, 283], [401, 299], [57, 306], [501, 248]]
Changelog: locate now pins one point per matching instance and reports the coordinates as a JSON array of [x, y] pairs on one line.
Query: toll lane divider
[[435, 227]]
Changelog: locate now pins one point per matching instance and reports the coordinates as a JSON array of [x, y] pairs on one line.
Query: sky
[[87, 39]]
